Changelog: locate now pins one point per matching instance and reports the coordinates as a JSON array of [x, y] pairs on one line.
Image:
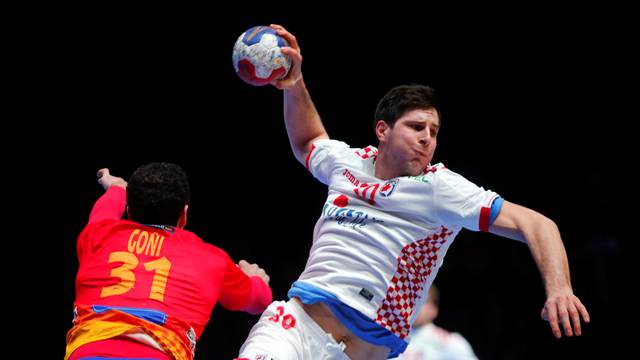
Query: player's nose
[[424, 137]]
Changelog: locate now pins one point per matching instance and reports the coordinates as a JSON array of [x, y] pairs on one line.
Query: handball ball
[[257, 58]]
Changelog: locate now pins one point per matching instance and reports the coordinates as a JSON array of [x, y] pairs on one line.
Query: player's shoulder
[[106, 225], [339, 154], [341, 147], [430, 174], [443, 174], [435, 168], [192, 239], [207, 256], [366, 153], [210, 249]]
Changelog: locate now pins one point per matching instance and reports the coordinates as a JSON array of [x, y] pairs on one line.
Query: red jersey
[[163, 271]]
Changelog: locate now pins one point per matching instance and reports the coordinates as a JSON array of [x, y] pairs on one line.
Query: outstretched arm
[[543, 238], [301, 118], [245, 287], [107, 180], [111, 205]]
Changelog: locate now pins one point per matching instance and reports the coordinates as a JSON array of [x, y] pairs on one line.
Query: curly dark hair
[[403, 98], [157, 193]]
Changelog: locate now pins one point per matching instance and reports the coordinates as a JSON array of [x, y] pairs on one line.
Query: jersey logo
[[366, 294], [166, 228], [421, 178], [388, 187], [367, 192], [362, 190]]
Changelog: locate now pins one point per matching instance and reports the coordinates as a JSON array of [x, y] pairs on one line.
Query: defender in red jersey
[[146, 287]]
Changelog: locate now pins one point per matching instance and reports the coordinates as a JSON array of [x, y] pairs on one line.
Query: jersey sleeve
[[241, 292], [322, 158], [110, 205], [461, 202]]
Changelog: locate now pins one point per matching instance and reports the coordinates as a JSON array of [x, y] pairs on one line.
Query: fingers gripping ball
[[257, 58]]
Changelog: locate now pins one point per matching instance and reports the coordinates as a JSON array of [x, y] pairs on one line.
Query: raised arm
[[301, 118], [543, 238], [112, 204]]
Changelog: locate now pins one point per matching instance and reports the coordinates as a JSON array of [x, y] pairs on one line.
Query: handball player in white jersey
[[385, 227]]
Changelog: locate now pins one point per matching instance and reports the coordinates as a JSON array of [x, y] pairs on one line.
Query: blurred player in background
[[428, 341]]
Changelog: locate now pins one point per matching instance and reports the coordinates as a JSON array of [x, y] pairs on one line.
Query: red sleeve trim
[[485, 215], [313, 147]]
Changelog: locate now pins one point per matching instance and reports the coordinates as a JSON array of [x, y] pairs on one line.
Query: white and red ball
[[257, 58]]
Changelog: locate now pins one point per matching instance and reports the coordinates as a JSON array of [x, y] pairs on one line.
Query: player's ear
[[382, 129], [182, 221]]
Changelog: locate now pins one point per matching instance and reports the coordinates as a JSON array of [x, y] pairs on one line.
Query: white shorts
[[286, 332]]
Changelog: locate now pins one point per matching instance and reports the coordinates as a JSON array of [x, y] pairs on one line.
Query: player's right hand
[[293, 51]]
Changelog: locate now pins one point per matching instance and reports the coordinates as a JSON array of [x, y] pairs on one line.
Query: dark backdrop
[[533, 109]]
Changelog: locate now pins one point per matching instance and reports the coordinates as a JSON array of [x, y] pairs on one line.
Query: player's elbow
[[542, 221], [303, 149]]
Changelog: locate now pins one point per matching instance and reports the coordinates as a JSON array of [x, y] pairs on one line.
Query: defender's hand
[[253, 270], [107, 180]]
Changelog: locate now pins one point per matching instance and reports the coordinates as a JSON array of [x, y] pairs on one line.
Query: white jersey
[[430, 342], [378, 244]]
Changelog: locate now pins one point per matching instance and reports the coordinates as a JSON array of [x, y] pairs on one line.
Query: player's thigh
[[277, 335]]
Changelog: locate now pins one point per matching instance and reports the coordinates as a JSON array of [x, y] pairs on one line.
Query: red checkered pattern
[[432, 168], [414, 267], [367, 152]]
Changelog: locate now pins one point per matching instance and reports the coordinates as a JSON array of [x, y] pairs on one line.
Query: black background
[[533, 108]]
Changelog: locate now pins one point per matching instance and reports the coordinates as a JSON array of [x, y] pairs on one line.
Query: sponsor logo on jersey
[[421, 178], [350, 177], [346, 216], [364, 190]]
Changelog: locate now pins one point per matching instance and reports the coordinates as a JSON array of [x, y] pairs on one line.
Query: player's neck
[[381, 168]]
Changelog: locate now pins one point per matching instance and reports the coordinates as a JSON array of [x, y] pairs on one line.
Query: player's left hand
[[565, 310]]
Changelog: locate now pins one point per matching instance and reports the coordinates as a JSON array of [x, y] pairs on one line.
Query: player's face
[[412, 140]]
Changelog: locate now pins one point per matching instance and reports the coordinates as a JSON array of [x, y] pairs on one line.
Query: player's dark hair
[[157, 193], [403, 98]]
